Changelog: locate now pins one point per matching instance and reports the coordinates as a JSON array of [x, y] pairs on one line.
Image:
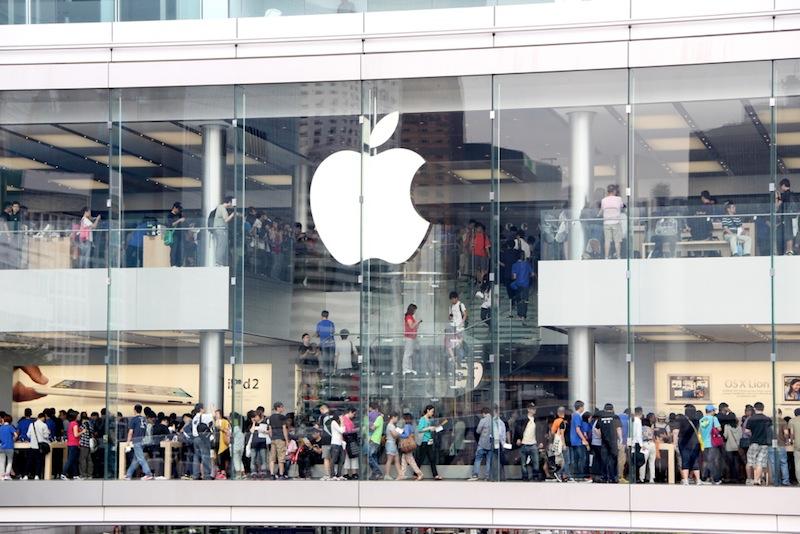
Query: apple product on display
[[128, 392], [347, 190]]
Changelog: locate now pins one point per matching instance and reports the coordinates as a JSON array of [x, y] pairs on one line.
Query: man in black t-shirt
[[685, 436], [324, 426], [610, 436], [279, 434], [175, 220], [760, 427]]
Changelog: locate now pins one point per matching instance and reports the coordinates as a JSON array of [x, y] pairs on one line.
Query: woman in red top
[[410, 326], [73, 445], [480, 252]]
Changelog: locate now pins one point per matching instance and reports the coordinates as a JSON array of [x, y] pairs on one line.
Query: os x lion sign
[[392, 229]]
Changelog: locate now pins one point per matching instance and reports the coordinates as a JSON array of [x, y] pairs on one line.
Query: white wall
[[66, 300]]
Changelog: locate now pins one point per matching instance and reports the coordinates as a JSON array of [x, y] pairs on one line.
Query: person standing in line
[[579, 443], [558, 451], [392, 456], [624, 446], [86, 237], [337, 446], [710, 426], [279, 433], [732, 432], [685, 436], [73, 446], [648, 447], [780, 473], [8, 434], [85, 463], [376, 426], [22, 435], [611, 440], [220, 230], [411, 343], [426, 426], [611, 210], [258, 446], [760, 427], [175, 220], [39, 436], [324, 426], [326, 331], [222, 426], [525, 439], [202, 424], [137, 428], [794, 439]]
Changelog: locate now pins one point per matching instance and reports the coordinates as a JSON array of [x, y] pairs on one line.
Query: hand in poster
[[23, 393]]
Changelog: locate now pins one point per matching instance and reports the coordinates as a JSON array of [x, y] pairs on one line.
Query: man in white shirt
[[458, 313], [521, 244], [611, 210], [525, 438], [202, 430]]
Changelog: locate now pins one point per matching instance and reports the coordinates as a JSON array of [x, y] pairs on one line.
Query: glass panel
[[278, 8], [701, 320], [301, 304], [425, 260], [161, 9], [174, 159], [49, 11], [562, 182], [12, 12], [785, 129], [397, 5], [53, 236]]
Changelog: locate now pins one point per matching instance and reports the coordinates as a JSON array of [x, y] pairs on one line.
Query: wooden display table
[[49, 253], [48, 458], [168, 445], [156, 253]]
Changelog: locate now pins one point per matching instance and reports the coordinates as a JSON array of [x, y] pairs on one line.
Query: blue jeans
[[71, 469], [202, 457], [783, 460], [480, 454], [374, 466], [529, 453], [566, 468], [138, 461], [579, 455]]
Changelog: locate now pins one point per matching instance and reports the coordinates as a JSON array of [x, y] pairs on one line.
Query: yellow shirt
[[224, 428]]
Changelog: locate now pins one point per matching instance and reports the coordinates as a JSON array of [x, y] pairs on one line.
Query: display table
[[156, 253], [168, 445], [49, 253], [48, 458], [670, 449]]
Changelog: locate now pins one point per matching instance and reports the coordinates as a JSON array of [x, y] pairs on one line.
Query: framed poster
[[791, 388], [689, 388]]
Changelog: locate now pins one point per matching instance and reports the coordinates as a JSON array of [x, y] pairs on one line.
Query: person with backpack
[[711, 441], [202, 424], [137, 428], [686, 437]]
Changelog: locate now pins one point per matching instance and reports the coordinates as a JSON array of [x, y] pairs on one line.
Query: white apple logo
[[392, 230]]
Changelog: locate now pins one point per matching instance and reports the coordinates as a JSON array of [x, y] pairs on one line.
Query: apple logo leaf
[[384, 129]]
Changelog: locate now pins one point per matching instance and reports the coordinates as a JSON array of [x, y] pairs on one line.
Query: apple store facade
[[475, 243]]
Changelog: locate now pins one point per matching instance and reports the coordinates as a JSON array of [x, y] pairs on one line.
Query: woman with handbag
[[39, 436], [407, 445]]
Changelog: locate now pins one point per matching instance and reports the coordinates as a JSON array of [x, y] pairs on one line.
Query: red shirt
[[409, 329], [479, 244], [72, 441]]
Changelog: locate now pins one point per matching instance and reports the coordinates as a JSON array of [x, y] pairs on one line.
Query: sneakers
[[126, 477], [147, 477], [63, 477], [623, 480], [558, 477], [325, 478], [473, 478], [702, 482], [685, 482], [186, 477]]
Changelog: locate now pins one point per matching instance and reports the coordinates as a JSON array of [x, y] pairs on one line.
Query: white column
[[212, 342], [581, 339]]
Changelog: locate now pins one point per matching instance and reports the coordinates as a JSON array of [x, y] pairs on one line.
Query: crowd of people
[[712, 446]]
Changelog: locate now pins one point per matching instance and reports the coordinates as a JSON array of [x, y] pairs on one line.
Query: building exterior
[[607, 186]]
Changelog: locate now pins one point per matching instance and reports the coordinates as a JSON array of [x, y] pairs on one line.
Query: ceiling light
[[691, 167], [658, 122], [604, 170], [792, 163], [67, 140], [177, 138], [165, 333], [126, 161], [22, 164], [784, 115], [676, 143], [180, 182], [273, 179], [780, 329], [83, 184], [789, 138], [784, 337], [672, 337], [478, 175], [654, 329]]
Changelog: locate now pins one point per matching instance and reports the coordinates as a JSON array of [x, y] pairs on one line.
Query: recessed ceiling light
[[67, 140], [676, 143], [22, 164], [792, 163], [784, 115], [273, 179], [789, 138], [177, 138], [691, 167], [231, 159], [181, 182], [125, 161], [83, 184], [604, 170], [672, 337], [479, 175], [658, 122]]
